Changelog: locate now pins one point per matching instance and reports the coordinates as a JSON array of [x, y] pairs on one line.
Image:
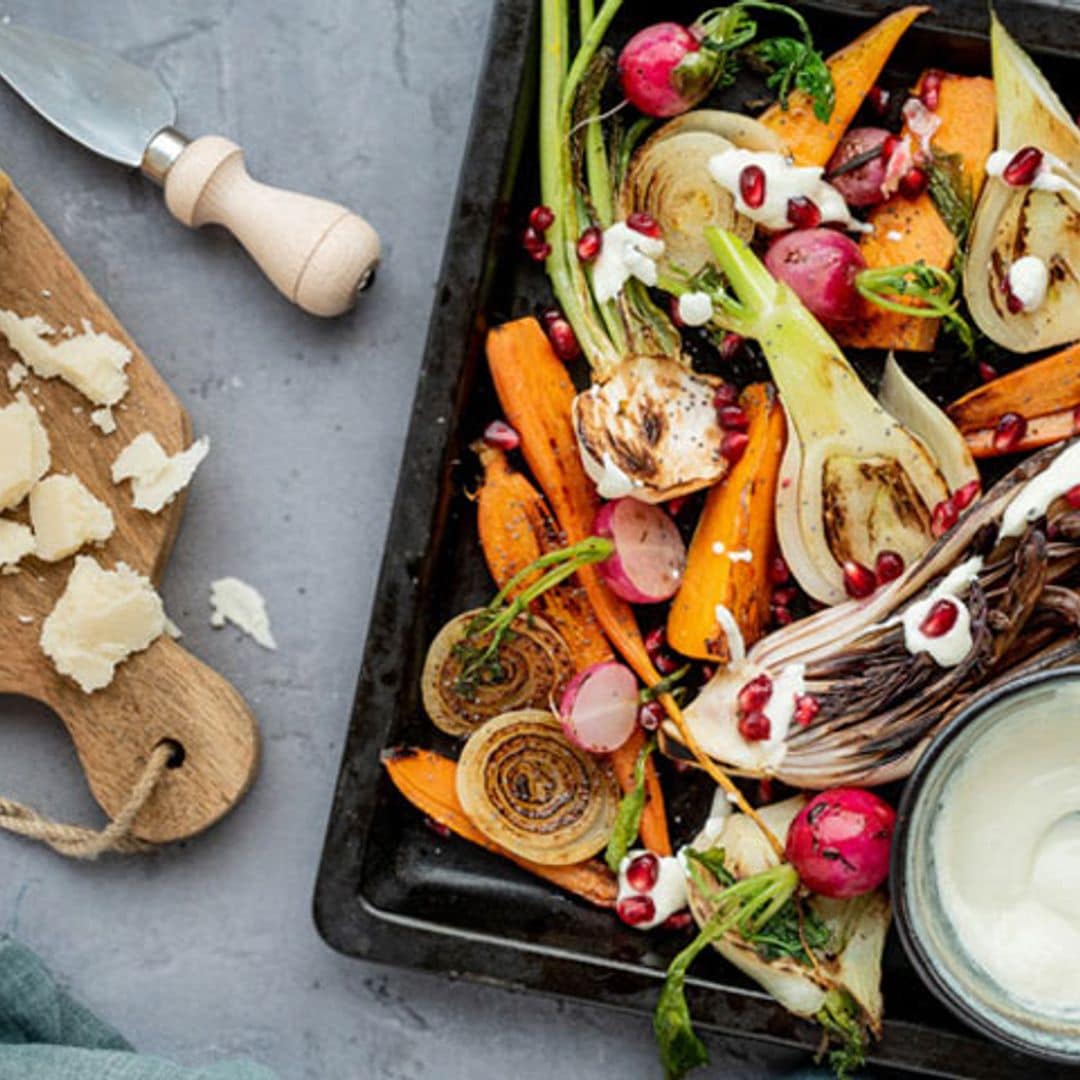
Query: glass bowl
[[928, 934]]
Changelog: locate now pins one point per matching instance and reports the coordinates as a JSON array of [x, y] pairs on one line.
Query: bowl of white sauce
[[986, 865]]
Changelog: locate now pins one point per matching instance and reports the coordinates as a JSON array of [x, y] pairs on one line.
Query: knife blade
[[319, 254]]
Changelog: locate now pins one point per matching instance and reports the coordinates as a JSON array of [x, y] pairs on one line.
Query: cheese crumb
[[16, 541], [16, 374], [103, 420], [65, 516], [242, 605], [156, 478], [103, 618], [92, 362], [24, 451]]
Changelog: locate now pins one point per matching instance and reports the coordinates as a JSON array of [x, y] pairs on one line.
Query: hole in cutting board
[[178, 755]]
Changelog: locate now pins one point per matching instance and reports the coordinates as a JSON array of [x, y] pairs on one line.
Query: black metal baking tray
[[391, 890]]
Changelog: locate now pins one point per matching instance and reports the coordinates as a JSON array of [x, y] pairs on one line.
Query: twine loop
[[77, 842]]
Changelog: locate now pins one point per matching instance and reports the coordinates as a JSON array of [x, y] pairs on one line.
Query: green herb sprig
[[628, 819]]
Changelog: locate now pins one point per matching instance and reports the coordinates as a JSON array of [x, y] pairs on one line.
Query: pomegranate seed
[[806, 709], [859, 580], [642, 872], [888, 566], [888, 147], [501, 436], [731, 345], [987, 372], [1012, 301], [755, 727], [645, 224], [733, 418], [541, 253], [725, 394], [914, 182], [752, 186], [681, 920], [531, 240], [651, 715], [781, 616], [589, 244], [548, 315], [665, 663], [944, 517], [940, 619], [733, 445], [563, 339], [1072, 497], [803, 213], [963, 497], [673, 311], [708, 672], [676, 506], [930, 92], [765, 790], [635, 910], [755, 695], [785, 597], [879, 99], [655, 642], [438, 828], [1011, 428], [1023, 167], [779, 573], [541, 218]]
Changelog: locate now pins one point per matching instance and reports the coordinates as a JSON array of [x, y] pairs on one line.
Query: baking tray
[[390, 889]]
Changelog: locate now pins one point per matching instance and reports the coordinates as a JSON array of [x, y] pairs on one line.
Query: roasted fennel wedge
[[1037, 218]]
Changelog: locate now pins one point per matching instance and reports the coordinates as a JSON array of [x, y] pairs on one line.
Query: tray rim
[[347, 920]]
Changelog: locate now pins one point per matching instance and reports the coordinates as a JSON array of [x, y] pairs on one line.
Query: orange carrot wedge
[[1047, 386], [735, 542], [516, 528], [537, 395], [907, 230], [429, 781], [1042, 431], [854, 69]]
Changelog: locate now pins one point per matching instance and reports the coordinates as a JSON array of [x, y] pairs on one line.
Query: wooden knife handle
[[319, 254]]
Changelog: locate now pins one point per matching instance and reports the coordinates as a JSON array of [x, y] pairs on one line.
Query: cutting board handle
[[317, 253]]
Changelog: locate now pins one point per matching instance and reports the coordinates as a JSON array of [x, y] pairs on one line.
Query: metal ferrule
[[161, 153]]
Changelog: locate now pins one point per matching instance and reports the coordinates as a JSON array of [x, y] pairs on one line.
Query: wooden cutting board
[[163, 693]]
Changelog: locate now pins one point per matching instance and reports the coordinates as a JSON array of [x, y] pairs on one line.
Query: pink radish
[[820, 265], [664, 71], [599, 707], [840, 842], [650, 556], [861, 186]]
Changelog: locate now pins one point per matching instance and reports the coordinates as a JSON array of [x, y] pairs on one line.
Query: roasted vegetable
[[1027, 213]]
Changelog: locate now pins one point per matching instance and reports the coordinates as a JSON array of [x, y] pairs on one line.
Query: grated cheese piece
[[24, 451], [16, 374], [16, 542], [66, 516], [156, 478], [103, 420], [241, 604]]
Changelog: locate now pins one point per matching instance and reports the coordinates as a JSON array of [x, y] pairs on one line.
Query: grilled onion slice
[[525, 787], [531, 666]]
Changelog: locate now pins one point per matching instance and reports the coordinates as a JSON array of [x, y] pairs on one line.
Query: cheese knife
[[317, 253]]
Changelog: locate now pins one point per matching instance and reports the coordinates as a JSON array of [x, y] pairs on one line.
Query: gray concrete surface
[[209, 949]]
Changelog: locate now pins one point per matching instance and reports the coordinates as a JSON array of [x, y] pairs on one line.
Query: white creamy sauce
[[783, 182], [624, 253], [716, 822], [1006, 846], [668, 894], [1054, 174], [729, 624], [611, 482], [787, 686], [922, 123], [1035, 497], [695, 308], [1029, 280], [949, 649]]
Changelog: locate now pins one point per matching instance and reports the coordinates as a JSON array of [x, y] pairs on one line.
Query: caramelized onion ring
[[525, 787], [533, 666]]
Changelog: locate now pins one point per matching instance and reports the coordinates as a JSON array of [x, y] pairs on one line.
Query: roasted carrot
[[854, 69], [735, 542], [1040, 389], [1042, 431], [516, 528], [537, 397], [429, 781], [909, 230]]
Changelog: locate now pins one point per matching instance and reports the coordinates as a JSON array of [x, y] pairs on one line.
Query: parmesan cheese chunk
[[16, 541], [237, 602], [16, 374], [103, 420], [24, 451], [156, 478], [92, 362], [103, 618], [65, 516]]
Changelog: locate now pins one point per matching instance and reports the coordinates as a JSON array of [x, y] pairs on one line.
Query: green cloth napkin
[[46, 1035]]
